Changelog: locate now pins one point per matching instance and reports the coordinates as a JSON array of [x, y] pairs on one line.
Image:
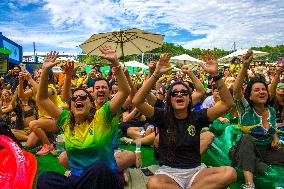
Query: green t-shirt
[[251, 123], [89, 142]]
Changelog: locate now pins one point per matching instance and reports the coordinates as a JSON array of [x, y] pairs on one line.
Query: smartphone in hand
[[23, 67], [147, 172]]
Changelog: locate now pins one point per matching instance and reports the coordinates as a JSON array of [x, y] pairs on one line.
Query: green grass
[[146, 152], [50, 163]]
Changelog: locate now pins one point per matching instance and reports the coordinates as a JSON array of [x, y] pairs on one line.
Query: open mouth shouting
[[79, 101], [180, 101], [101, 96], [79, 105], [180, 98]]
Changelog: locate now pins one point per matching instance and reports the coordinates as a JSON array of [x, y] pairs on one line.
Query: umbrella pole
[[121, 46]]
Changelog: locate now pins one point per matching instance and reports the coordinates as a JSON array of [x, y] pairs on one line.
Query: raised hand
[[27, 75], [162, 65], [69, 68], [211, 67], [152, 66], [50, 60], [21, 77], [247, 58], [109, 54], [208, 56], [186, 69]]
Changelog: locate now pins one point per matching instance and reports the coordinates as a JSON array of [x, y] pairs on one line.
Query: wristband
[[156, 77], [217, 77]]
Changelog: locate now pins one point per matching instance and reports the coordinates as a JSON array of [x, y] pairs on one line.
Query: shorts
[[184, 177]]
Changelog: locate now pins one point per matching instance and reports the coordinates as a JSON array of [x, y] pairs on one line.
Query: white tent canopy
[[240, 53], [185, 59], [135, 64]]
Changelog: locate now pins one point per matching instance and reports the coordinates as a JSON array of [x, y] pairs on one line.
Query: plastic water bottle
[[60, 144], [138, 154]]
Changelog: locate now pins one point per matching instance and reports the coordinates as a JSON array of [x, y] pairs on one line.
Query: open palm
[[211, 67], [50, 59], [162, 65], [186, 69], [70, 68], [109, 54], [247, 58]]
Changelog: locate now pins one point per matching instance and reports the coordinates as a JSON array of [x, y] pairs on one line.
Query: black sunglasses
[[183, 92], [82, 97]]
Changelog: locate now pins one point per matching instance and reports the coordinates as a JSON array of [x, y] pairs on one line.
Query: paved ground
[[137, 179]]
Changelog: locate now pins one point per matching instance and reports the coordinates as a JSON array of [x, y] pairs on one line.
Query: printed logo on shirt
[[91, 131], [191, 130]]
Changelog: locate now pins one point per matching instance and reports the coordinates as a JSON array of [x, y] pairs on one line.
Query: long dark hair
[[20, 112], [171, 120], [248, 90], [92, 110]]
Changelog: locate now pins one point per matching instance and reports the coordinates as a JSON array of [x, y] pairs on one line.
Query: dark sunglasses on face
[[183, 92], [82, 97]]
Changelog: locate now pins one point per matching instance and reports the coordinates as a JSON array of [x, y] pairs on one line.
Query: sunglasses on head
[[183, 92], [82, 97]]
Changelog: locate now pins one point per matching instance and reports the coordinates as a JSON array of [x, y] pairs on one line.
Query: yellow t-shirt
[[61, 103], [53, 98]]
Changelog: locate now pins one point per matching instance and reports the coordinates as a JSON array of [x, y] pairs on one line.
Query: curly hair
[[169, 114], [92, 110], [248, 89]]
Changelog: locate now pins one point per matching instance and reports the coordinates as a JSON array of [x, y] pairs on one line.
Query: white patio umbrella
[[125, 42], [185, 59], [135, 64], [240, 53]]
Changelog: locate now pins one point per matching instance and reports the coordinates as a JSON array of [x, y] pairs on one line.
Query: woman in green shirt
[[259, 145], [88, 132]]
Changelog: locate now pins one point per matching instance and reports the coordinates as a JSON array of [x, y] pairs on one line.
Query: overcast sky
[[64, 24]]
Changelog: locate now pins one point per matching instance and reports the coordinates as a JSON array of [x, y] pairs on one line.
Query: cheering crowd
[[170, 111]]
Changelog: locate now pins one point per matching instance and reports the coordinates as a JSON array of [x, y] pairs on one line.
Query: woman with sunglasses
[[179, 126], [87, 131]]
